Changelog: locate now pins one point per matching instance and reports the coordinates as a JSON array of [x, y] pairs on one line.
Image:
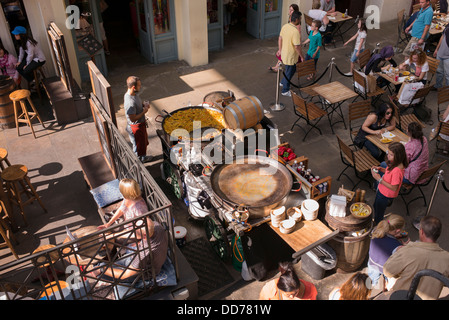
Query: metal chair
[[357, 113], [402, 36], [307, 111], [361, 161], [420, 95], [424, 179]]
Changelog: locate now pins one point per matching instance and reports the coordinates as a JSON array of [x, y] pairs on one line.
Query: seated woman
[[137, 257], [288, 286], [376, 123], [377, 61], [8, 65], [384, 240], [417, 151], [417, 65], [133, 205], [30, 57]]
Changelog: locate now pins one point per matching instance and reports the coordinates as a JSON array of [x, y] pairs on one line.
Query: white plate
[[388, 135]]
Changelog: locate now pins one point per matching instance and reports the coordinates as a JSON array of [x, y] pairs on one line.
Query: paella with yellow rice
[[210, 122]]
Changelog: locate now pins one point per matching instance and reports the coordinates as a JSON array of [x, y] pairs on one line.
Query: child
[[315, 43], [386, 237], [360, 40], [389, 179]]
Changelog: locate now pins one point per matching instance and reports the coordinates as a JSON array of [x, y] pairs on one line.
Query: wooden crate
[[311, 189]]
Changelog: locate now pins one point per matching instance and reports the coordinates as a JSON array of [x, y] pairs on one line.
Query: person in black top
[[377, 61]]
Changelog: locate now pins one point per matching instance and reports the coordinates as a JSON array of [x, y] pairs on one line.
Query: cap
[[19, 30]]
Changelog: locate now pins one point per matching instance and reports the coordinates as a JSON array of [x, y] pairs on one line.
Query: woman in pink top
[[417, 151], [389, 183], [8, 65], [132, 206]]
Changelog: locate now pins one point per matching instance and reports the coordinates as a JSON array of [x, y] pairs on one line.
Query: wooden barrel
[[7, 85], [243, 113], [351, 250]]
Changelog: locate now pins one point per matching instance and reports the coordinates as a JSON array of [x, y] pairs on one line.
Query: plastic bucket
[[180, 236]]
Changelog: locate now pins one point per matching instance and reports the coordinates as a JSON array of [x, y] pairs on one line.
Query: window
[[161, 11]]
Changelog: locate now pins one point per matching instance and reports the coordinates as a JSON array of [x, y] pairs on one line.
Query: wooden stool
[[4, 158], [37, 80], [19, 97], [18, 174], [46, 261], [6, 233]]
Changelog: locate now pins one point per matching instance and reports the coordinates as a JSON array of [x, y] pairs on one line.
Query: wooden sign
[[102, 90], [90, 45], [60, 56]]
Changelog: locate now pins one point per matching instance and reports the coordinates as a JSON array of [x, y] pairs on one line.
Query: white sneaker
[[286, 94], [348, 74], [280, 84]]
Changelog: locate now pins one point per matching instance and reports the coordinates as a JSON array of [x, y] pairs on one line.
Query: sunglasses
[[388, 113]]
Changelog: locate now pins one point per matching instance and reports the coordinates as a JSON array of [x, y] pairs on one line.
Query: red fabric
[[140, 134]]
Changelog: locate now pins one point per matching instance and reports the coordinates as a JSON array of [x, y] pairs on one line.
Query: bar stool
[[15, 175], [37, 80], [4, 158], [6, 233], [20, 97]]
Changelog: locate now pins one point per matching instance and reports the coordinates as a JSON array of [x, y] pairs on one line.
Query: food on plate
[[385, 140]]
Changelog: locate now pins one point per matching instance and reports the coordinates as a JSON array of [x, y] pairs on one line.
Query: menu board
[[90, 44]]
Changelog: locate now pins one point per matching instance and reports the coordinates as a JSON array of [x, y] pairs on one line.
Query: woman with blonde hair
[[357, 287], [133, 205], [384, 241]]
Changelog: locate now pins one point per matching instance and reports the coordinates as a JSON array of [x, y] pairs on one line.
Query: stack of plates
[[309, 209], [277, 215], [294, 213], [287, 226]]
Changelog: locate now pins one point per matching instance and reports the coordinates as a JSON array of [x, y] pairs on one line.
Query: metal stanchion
[[331, 64], [439, 177], [277, 106]]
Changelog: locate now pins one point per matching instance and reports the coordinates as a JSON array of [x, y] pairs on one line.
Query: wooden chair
[[433, 66], [361, 161], [420, 95], [359, 79], [402, 36], [307, 111], [4, 162], [363, 59], [443, 97], [424, 179], [357, 113], [308, 21], [304, 69], [20, 99], [405, 119], [442, 145]]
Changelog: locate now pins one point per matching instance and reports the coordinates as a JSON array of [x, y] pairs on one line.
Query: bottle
[[295, 165], [357, 195], [325, 186], [346, 13], [362, 195]]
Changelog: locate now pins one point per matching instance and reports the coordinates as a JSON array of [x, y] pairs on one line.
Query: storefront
[[156, 30]]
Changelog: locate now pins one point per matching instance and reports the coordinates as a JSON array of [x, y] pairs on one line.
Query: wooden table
[[89, 251], [332, 97], [339, 21], [399, 137], [441, 21], [307, 235], [391, 77]]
